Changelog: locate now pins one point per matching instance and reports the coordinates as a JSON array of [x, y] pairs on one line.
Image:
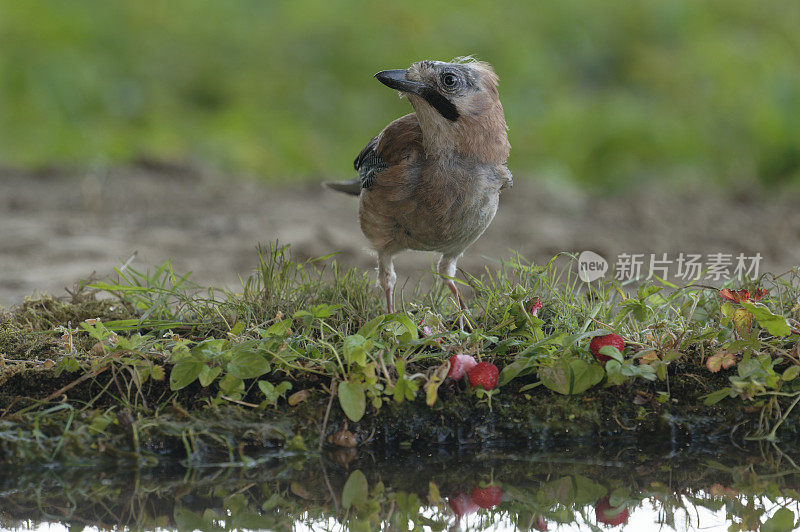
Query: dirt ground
[[56, 228]]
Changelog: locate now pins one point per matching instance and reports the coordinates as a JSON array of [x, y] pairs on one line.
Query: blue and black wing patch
[[399, 143], [368, 164]]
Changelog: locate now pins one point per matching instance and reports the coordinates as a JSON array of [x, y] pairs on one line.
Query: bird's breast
[[437, 205], [455, 206]]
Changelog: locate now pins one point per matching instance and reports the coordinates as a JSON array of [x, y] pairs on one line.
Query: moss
[[27, 332]]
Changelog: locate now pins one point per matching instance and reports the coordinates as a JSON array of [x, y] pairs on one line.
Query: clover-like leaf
[[355, 349], [184, 372], [247, 365], [208, 374], [569, 377], [352, 399]]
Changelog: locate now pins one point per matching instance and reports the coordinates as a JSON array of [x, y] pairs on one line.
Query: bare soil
[[57, 227]]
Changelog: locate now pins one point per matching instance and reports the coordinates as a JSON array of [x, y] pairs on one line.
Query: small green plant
[[313, 329]]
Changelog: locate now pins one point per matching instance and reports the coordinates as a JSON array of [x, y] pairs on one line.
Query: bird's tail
[[352, 186]]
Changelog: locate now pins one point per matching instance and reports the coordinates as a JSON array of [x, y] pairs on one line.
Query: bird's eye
[[449, 80]]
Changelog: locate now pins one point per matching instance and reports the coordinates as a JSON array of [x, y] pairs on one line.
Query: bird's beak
[[396, 79]]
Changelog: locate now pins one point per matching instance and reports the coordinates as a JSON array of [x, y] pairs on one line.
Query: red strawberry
[[609, 515], [484, 375], [540, 524], [533, 306], [597, 342], [462, 505], [460, 365], [488, 497]]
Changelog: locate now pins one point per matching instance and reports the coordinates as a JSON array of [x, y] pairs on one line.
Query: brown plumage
[[431, 179]]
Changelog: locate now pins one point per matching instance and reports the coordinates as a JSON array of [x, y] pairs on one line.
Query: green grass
[[310, 341], [602, 93]]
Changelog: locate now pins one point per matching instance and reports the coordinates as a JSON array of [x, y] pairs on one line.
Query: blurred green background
[[605, 93]]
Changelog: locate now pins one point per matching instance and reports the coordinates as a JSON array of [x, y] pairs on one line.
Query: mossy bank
[[148, 365]]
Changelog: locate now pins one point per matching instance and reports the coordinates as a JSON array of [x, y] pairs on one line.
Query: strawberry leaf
[[611, 351], [727, 313], [775, 324], [743, 320], [720, 360], [759, 293]]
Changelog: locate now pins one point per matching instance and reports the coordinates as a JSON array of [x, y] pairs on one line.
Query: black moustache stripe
[[444, 106]]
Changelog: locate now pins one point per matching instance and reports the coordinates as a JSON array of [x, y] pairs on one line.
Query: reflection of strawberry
[[487, 497], [462, 505], [597, 342], [609, 515], [459, 366], [484, 375]]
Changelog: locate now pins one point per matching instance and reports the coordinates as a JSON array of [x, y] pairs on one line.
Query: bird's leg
[[386, 277], [447, 268]]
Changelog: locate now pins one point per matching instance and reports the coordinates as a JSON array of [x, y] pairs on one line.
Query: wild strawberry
[[597, 342], [460, 365], [540, 524], [533, 306], [609, 515], [484, 375], [462, 505], [426, 331], [487, 497]]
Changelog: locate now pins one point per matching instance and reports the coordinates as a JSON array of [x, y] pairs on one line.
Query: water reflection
[[495, 489]]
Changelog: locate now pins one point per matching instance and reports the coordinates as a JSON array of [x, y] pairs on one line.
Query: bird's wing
[[399, 142], [368, 163]]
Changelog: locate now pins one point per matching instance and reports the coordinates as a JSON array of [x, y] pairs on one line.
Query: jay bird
[[431, 180]]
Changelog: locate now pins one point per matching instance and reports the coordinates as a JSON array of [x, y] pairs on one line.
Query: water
[[712, 489]]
